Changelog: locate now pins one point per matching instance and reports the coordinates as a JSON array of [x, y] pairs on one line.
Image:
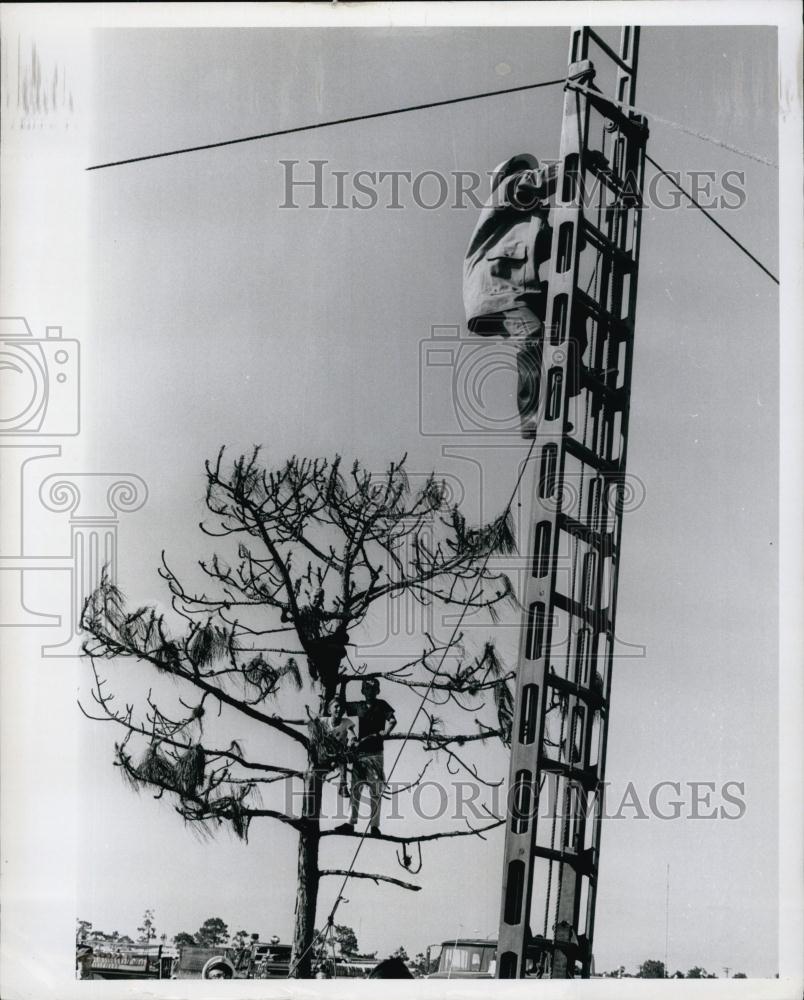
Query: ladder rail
[[534, 652], [639, 155], [635, 160], [601, 461]]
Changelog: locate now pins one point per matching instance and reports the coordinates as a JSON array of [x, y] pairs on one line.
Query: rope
[[582, 88], [317, 937], [712, 219], [556, 807], [676, 125], [336, 121], [331, 927]]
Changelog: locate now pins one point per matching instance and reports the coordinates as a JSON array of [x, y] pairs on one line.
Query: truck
[[136, 961], [476, 958], [463, 958], [257, 960]]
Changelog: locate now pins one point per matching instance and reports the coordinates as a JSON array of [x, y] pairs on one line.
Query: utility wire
[[712, 219], [335, 121], [571, 84], [502, 519]]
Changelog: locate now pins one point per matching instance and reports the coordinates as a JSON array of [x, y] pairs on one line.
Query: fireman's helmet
[[522, 161]]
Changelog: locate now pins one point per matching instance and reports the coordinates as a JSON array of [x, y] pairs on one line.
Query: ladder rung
[[620, 327], [610, 179], [586, 455], [592, 698], [615, 397], [585, 776], [603, 541], [583, 948], [597, 620], [634, 126], [583, 863], [600, 239], [625, 196], [610, 51]]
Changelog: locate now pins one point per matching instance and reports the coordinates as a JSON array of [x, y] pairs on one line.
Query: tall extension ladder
[[558, 740]]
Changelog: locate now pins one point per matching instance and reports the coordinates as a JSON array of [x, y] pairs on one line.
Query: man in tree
[[376, 720], [325, 653], [340, 733], [331, 736]]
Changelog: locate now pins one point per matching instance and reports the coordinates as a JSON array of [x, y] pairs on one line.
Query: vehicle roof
[[473, 942]]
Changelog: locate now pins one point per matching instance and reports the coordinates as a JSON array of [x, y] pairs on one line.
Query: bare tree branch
[[374, 878], [421, 838]]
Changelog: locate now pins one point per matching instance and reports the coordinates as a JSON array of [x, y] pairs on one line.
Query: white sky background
[[216, 317]]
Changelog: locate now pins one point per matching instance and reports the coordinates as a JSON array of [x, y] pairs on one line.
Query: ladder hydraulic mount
[[563, 684]]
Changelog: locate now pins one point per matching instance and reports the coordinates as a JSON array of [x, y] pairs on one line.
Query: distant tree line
[[653, 968], [213, 933]]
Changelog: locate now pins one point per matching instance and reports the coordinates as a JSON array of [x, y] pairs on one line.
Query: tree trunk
[[307, 879]]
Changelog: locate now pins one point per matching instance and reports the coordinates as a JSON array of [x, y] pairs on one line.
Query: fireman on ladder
[[504, 292]]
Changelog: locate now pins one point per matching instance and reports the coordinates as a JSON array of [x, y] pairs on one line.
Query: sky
[[214, 316]]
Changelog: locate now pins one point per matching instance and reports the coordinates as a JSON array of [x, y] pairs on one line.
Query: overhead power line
[[712, 219], [573, 85], [329, 124]]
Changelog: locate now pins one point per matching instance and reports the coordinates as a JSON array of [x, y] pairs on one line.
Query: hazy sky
[[219, 317]]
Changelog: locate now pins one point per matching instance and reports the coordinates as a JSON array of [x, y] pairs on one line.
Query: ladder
[[563, 684]]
